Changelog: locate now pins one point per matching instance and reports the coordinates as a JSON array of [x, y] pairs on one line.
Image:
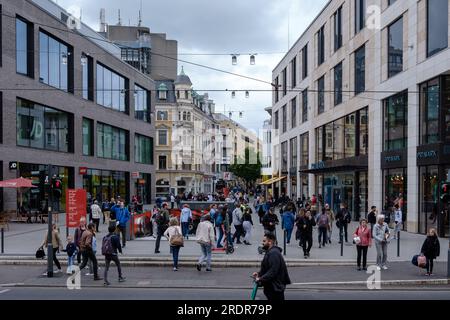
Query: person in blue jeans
[[287, 222], [122, 216], [71, 250], [174, 229], [185, 218], [206, 239]]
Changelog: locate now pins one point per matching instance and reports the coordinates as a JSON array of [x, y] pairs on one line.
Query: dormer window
[[162, 92]]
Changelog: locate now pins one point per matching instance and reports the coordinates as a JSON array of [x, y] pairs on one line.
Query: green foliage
[[248, 169]]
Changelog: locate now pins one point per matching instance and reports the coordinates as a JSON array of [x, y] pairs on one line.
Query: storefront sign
[[318, 165], [135, 175], [75, 206], [13, 165], [393, 158], [426, 154], [83, 171]]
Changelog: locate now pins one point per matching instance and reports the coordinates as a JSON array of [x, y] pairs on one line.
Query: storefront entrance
[[103, 185]]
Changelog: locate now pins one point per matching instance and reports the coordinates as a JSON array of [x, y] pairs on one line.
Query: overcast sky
[[218, 26]]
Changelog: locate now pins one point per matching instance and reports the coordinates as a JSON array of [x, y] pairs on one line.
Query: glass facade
[[284, 156], [88, 137], [112, 142], [360, 70], [294, 72], [338, 29], [277, 121], [305, 105], [104, 184], [293, 113], [396, 122], [321, 95], [143, 149], [360, 15], [141, 104], [22, 63], [429, 198], [87, 69], [304, 145], [430, 109], [111, 89], [321, 46], [396, 191], [395, 48], [55, 60], [294, 152], [338, 84], [284, 119], [284, 75], [437, 26], [43, 127], [305, 61]]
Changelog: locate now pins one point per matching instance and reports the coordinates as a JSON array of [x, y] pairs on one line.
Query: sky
[[266, 28]]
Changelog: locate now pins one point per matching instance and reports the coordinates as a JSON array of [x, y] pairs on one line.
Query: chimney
[[103, 20]]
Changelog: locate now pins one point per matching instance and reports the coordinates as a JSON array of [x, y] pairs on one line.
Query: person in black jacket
[[431, 250], [372, 217], [270, 220], [306, 224], [273, 275], [115, 243]]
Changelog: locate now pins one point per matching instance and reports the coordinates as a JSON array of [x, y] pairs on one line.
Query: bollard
[[285, 234], [398, 243], [3, 240], [341, 236]]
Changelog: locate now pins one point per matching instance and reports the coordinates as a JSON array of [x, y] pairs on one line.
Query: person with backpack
[[431, 249], [363, 240], [162, 219], [77, 237], [122, 217], [306, 224], [172, 234], [323, 223], [185, 218], [287, 222], [110, 246], [86, 247]]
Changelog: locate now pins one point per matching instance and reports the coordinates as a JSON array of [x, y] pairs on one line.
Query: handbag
[[177, 239], [421, 261], [40, 253]]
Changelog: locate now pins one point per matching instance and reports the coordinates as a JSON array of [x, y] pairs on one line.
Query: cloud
[[213, 26]]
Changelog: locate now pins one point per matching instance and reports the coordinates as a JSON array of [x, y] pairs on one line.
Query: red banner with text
[[75, 206]]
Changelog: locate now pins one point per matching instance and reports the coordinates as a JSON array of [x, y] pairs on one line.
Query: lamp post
[[50, 222]]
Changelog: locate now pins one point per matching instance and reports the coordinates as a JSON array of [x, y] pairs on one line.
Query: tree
[[249, 168]]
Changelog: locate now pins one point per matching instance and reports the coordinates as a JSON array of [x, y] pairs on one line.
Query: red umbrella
[[17, 183]]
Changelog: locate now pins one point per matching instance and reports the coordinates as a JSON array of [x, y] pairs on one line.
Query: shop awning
[[335, 169], [273, 180], [267, 182]]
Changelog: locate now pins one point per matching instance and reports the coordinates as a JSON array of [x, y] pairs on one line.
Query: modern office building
[[68, 100], [361, 112]]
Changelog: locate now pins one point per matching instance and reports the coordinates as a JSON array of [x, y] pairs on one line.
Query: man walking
[[122, 216], [162, 221], [110, 246], [77, 237], [273, 275], [186, 216], [237, 222], [372, 217], [96, 213], [381, 236], [87, 250], [306, 225], [323, 223], [206, 239]]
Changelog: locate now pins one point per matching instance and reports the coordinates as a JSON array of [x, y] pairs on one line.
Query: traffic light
[[57, 187], [445, 192]]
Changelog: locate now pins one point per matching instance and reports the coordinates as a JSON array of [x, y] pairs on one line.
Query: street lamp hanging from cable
[[233, 94], [247, 94], [233, 59], [252, 59]]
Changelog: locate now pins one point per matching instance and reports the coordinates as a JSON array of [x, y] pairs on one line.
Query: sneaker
[[427, 274], [359, 268], [320, 246], [208, 270], [87, 274], [97, 278], [199, 267], [158, 251], [122, 279], [384, 267], [431, 274], [175, 269], [106, 283], [365, 269], [123, 246], [306, 256]]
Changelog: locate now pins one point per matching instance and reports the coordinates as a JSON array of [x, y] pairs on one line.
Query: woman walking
[[298, 218], [56, 243], [363, 240], [287, 222], [431, 250], [248, 225], [173, 233]]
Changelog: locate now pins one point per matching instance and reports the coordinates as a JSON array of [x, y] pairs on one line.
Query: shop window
[[141, 104], [24, 47], [437, 26], [396, 122], [143, 149]]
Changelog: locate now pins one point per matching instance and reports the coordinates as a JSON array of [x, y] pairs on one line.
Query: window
[[294, 72], [277, 126], [112, 142], [338, 29], [276, 89], [305, 61], [293, 148], [87, 70], [111, 89], [396, 122], [304, 105], [360, 15], [24, 48], [43, 127], [284, 119], [141, 104], [284, 75], [321, 95], [391, 2], [88, 137], [437, 26], [162, 137], [143, 149], [364, 131], [338, 84], [284, 156], [162, 163], [304, 141], [430, 107], [360, 70], [395, 48], [162, 115], [55, 61], [321, 46], [293, 113]]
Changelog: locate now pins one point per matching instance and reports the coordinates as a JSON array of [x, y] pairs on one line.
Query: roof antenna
[[120, 20], [140, 15]]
